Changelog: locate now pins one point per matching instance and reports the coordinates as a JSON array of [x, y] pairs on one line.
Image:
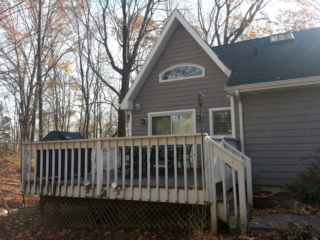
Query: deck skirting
[[92, 212]]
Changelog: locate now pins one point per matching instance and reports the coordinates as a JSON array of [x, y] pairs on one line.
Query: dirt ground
[[25, 223], [10, 187]]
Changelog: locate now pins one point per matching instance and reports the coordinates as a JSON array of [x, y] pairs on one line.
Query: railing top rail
[[237, 151], [223, 137], [233, 156], [117, 139]]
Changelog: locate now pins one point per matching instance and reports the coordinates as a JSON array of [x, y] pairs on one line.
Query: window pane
[[181, 124], [222, 123], [161, 125], [182, 72]]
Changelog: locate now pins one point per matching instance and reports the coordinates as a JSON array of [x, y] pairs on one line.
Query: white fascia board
[[203, 44], [274, 84], [155, 53], [127, 102]]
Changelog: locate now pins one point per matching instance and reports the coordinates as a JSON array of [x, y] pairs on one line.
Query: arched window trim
[[182, 78]]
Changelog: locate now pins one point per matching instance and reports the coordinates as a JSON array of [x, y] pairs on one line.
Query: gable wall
[[182, 94], [279, 129]]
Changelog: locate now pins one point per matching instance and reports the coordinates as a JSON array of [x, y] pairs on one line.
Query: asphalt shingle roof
[[290, 59]]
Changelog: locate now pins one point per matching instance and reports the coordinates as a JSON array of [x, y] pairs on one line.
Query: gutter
[[274, 84], [237, 94]]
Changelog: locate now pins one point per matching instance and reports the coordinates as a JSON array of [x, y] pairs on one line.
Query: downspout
[[233, 121], [237, 93]]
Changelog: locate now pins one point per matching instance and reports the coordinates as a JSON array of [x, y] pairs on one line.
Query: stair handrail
[[237, 165], [247, 164]]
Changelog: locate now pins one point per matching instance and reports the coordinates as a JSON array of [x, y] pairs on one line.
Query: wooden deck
[[91, 163]]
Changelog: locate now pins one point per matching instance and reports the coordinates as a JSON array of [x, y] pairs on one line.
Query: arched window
[[181, 71]]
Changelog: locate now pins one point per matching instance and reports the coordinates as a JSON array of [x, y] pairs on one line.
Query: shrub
[[296, 230], [307, 185]]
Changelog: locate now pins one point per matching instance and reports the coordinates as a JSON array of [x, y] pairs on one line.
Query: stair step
[[221, 211], [231, 212], [229, 197]]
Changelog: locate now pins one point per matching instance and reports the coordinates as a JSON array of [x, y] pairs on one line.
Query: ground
[[280, 207], [25, 223], [9, 185]]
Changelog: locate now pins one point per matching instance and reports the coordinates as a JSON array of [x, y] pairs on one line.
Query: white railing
[[247, 164], [240, 168], [151, 168], [134, 168]]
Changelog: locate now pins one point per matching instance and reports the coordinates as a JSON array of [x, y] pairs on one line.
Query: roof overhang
[[289, 83], [168, 31]]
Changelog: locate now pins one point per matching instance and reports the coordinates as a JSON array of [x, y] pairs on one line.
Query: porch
[[152, 169]]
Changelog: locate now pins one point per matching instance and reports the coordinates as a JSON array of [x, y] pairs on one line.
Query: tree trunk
[[39, 73], [121, 113]]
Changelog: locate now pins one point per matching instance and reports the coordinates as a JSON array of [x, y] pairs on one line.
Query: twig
[[4, 201]]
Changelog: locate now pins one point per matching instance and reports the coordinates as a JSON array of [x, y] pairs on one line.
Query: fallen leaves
[[26, 223], [281, 208], [10, 183], [63, 233], [273, 224]]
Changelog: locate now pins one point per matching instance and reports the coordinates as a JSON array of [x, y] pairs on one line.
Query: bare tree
[[304, 15], [123, 24], [6, 8], [224, 21], [37, 46], [312, 3]]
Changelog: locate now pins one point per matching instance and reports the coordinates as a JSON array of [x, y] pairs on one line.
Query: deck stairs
[[228, 203], [228, 216]]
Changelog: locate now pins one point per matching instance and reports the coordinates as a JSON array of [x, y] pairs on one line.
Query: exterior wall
[[280, 128], [182, 94]]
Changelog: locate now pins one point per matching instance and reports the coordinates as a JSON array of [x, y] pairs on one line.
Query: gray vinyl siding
[[181, 94], [280, 128]]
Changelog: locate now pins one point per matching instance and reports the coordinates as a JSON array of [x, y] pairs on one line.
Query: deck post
[[99, 168], [214, 222], [242, 202], [249, 180], [213, 194]]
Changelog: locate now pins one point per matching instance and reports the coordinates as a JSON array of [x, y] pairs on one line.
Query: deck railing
[[239, 165], [116, 168], [151, 168]]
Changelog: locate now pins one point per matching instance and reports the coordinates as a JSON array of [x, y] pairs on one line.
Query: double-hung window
[[221, 121], [173, 122]]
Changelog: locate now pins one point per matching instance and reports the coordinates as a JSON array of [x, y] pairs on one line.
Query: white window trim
[[211, 110], [155, 114], [183, 78]]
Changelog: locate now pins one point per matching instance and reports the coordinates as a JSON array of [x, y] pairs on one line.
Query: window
[[221, 121], [167, 123], [183, 71]]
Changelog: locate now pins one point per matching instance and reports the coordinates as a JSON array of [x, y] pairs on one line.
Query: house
[[260, 101], [264, 93]]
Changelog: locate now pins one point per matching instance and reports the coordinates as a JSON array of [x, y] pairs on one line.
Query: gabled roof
[[175, 19], [273, 63]]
